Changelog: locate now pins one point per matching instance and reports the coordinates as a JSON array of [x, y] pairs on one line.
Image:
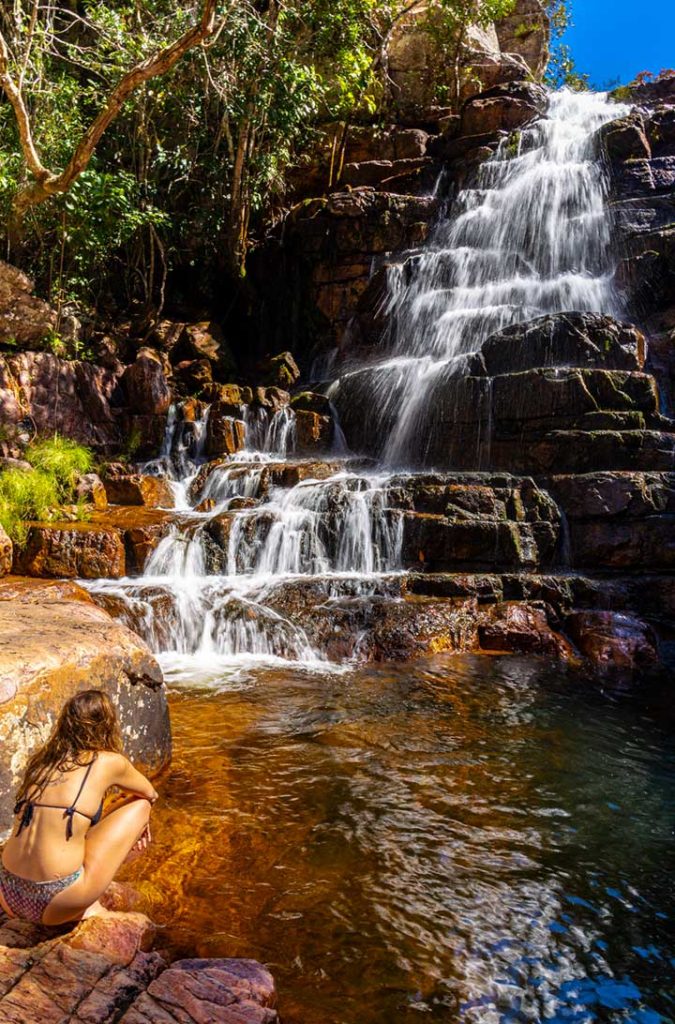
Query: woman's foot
[[96, 910]]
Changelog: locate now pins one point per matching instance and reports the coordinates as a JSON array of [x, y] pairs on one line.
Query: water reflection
[[479, 840]]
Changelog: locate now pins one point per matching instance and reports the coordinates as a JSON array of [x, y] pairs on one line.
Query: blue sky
[[618, 38]]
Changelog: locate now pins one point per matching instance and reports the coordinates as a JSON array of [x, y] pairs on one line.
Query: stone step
[[105, 968]]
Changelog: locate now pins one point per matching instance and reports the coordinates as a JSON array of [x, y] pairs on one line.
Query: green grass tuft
[[64, 460], [26, 495]]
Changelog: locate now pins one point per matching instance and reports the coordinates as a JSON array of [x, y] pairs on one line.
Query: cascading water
[[530, 237]]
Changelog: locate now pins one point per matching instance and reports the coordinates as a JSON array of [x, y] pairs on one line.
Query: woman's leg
[[105, 850]]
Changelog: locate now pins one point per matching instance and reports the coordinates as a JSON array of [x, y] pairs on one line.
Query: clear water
[[465, 839]]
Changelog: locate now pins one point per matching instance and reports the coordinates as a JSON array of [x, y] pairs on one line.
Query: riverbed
[[468, 838]]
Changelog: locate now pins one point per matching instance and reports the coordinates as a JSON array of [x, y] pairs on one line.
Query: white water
[[531, 237]]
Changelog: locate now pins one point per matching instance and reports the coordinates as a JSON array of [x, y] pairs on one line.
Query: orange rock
[[70, 550], [139, 489]]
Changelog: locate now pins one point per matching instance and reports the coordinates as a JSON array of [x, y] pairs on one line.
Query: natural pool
[[457, 839]]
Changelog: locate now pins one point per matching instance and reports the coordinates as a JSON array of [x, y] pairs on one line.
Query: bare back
[[42, 851]]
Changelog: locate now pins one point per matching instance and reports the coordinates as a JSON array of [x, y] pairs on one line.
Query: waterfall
[[531, 236]]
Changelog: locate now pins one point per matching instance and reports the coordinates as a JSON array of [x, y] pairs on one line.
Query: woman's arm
[[127, 777]]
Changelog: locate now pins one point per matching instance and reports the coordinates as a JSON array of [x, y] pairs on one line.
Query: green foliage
[[25, 495], [37, 493], [62, 460], [562, 70]]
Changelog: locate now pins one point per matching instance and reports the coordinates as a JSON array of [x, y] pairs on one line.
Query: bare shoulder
[[111, 763]]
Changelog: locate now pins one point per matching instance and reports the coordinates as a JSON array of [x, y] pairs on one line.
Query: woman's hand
[[143, 840]]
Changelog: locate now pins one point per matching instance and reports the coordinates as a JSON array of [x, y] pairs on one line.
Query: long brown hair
[[87, 723]]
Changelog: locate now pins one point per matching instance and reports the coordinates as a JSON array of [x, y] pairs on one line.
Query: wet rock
[[139, 489], [314, 432], [617, 645], [50, 650], [417, 626], [71, 550], [439, 544], [485, 588], [90, 489], [145, 385], [25, 321], [521, 628], [141, 529], [272, 398], [206, 992], [6, 553], [224, 434], [290, 474], [619, 520], [565, 340], [27, 590]]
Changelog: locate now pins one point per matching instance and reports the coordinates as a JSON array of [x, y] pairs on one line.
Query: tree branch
[[48, 183]]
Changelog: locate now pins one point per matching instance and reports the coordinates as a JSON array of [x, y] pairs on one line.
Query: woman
[[62, 856]]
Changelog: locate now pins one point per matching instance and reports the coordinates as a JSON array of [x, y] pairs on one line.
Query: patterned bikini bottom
[[28, 900]]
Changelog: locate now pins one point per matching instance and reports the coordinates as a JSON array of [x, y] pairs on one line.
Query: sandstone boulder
[[31, 383], [139, 489], [503, 108], [52, 649], [280, 370], [517, 627], [145, 385], [6, 551], [71, 550], [225, 435], [91, 490], [311, 402], [203, 991], [625, 138], [525, 31], [205, 340], [25, 321], [314, 432]]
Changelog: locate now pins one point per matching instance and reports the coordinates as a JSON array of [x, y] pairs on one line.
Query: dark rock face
[[566, 339]]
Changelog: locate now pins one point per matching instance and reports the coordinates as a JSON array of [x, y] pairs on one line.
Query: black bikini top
[[68, 812]]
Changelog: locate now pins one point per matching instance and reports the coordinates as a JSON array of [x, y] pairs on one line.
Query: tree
[[58, 31]]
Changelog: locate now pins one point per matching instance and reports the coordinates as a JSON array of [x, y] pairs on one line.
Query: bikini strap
[[70, 811]]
